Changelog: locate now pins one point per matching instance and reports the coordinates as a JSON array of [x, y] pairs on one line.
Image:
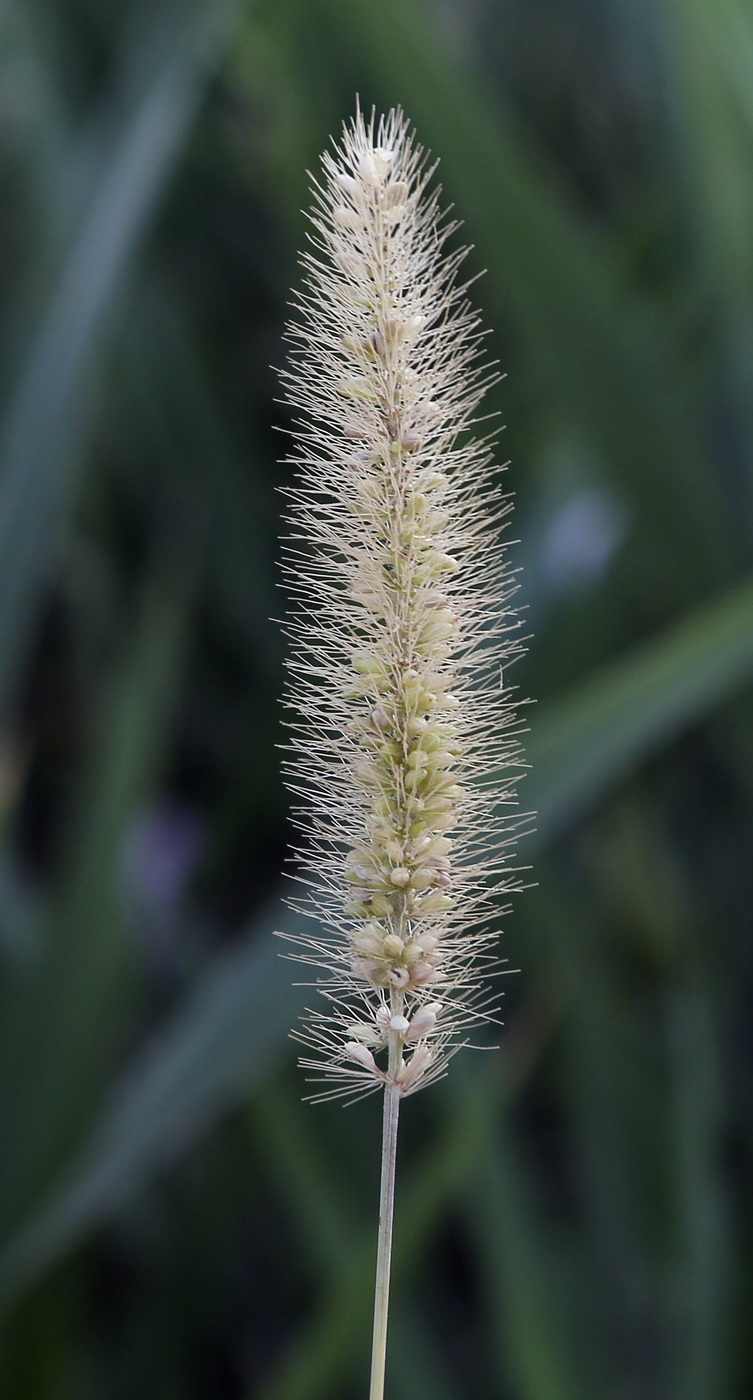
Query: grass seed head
[[403, 745]]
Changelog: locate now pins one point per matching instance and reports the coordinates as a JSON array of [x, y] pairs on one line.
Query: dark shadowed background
[[574, 1216]]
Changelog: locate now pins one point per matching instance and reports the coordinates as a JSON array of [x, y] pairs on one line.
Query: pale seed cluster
[[403, 741]]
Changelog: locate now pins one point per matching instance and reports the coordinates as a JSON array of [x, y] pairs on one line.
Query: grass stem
[[384, 1245]]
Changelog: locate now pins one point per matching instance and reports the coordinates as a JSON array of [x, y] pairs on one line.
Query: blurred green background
[[574, 1215]]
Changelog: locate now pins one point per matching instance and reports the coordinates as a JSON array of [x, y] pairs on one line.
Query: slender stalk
[[384, 1245]]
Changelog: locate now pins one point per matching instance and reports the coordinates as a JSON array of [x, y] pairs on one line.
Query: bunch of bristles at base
[[404, 744]]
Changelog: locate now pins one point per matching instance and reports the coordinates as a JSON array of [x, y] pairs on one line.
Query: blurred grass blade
[[706, 1268], [167, 374], [211, 1054], [526, 1328], [735, 39], [709, 45], [583, 745], [318, 1199], [58, 1031], [207, 1057], [44, 435]]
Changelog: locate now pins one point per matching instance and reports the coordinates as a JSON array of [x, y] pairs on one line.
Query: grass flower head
[[403, 742]]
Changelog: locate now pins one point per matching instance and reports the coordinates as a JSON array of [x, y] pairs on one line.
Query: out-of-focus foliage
[[574, 1217]]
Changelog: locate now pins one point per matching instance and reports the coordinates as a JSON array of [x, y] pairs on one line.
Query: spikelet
[[403, 741]]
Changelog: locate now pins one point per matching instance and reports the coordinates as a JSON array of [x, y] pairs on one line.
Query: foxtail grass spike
[[403, 738], [403, 744]]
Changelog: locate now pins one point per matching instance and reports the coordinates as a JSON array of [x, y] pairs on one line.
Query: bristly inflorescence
[[403, 743]]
